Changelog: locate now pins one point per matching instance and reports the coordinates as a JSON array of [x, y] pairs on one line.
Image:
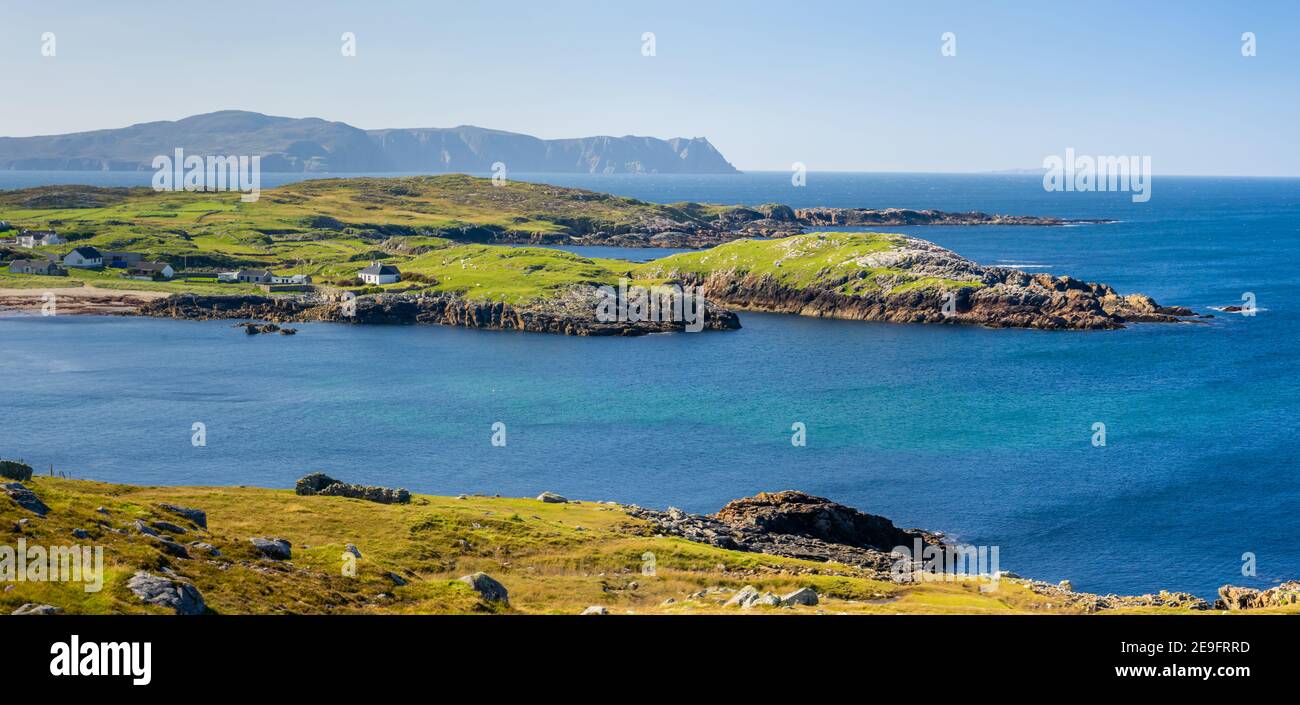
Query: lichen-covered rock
[[181, 597], [552, 498], [595, 609], [487, 587]]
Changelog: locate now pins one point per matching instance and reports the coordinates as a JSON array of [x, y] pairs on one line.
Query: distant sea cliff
[[316, 145]]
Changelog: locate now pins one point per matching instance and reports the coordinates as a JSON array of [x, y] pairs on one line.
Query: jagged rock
[[351, 548], [181, 597], [397, 580], [13, 470], [207, 547], [802, 596], [25, 498], [144, 528], [1235, 598], [595, 609], [197, 516], [487, 588], [743, 597], [551, 498], [80, 534], [33, 608], [795, 525], [274, 548], [322, 484], [796, 513]]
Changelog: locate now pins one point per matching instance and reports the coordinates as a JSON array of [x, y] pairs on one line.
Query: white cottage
[[378, 274], [84, 258]]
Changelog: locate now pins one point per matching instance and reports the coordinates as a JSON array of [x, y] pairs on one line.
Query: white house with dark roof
[[84, 258], [378, 274], [38, 238]]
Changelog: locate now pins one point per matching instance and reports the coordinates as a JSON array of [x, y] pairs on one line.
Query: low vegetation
[[552, 557]]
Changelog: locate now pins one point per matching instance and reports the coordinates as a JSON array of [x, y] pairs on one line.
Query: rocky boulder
[[802, 596], [321, 484], [181, 597], [487, 588], [273, 548], [552, 498]]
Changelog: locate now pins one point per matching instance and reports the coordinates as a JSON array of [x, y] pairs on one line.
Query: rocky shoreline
[[794, 524], [971, 294], [767, 221], [566, 315]]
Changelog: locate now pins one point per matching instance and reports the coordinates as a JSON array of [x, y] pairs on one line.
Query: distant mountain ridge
[[316, 145]]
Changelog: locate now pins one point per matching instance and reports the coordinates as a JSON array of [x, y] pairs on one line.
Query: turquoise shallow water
[[981, 433]]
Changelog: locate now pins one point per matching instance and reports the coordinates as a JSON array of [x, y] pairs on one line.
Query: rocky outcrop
[[25, 498], [181, 597], [570, 313], [798, 514], [795, 525], [322, 484], [956, 291], [1244, 598]]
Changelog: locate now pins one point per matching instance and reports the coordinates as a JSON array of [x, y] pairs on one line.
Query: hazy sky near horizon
[[845, 86]]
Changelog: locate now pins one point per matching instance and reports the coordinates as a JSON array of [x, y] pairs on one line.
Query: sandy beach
[[82, 300]]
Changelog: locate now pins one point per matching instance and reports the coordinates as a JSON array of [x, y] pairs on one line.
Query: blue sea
[[984, 434]]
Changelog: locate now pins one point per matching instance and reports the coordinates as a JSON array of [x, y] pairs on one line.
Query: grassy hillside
[[553, 558], [840, 261], [330, 228]]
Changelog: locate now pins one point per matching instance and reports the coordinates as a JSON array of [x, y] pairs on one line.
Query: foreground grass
[[553, 558]]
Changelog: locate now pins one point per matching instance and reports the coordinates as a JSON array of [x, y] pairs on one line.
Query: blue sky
[[846, 86]]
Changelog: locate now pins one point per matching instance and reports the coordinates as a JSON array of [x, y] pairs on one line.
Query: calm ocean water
[[984, 434]]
